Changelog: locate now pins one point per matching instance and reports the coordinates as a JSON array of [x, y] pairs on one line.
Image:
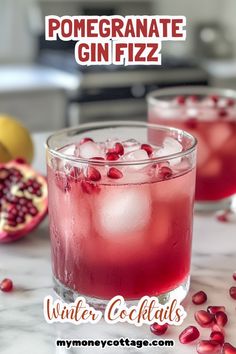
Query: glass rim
[[198, 90], [112, 124]]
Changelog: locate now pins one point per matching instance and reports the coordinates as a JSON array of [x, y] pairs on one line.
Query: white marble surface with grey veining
[[23, 329]]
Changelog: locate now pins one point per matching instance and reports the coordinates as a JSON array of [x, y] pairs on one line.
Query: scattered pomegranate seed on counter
[[217, 337], [189, 334], [6, 285], [221, 318], [214, 309], [228, 349], [222, 216], [204, 318], [208, 347], [158, 329], [199, 298], [217, 328], [234, 275], [232, 292]]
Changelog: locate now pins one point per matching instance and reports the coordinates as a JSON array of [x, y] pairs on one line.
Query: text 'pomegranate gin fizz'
[[121, 211], [210, 115]]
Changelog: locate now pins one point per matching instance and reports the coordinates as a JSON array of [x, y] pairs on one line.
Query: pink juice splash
[[212, 120], [124, 229]]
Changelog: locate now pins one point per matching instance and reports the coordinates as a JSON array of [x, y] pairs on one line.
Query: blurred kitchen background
[[42, 86]]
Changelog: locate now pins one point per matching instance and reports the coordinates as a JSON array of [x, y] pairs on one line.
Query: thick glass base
[[69, 295]]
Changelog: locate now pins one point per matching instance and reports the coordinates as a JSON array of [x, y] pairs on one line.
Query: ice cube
[[136, 155], [170, 146], [122, 210], [90, 149], [131, 145], [68, 150]]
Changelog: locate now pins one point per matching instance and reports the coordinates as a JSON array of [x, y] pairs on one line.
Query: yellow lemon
[[15, 140]]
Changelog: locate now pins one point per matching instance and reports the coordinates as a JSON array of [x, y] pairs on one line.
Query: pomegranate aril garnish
[[119, 149], [193, 98], [204, 318], [158, 329], [218, 337], [189, 334], [234, 275], [199, 298], [223, 113], [112, 156], [6, 285], [232, 292], [114, 173], [221, 318], [180, 100], [230, 102], [214, 309], [93, 174], [214, 98], [85, 140], [191, 123], [89, 187], [165, 172], [228, 349], [147, 148], [208, 347]]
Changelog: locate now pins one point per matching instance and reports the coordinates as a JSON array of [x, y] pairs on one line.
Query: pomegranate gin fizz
[[121, 211], [210, 115]]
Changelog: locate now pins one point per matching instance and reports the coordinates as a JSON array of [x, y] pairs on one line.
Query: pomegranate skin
[[24, 178], [189, 334]]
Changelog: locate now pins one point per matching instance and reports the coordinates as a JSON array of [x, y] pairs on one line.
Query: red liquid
[[216, 163], [131, 240]]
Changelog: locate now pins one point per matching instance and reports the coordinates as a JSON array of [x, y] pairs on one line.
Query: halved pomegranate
[[23, 200]]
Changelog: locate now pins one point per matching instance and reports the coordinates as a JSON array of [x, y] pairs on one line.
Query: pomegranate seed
[[199, 298], [193, 98], [119, 148], [191, 123], [147, 148], [93, 174], [223, 113], [98, 158], [222, 216], [114, 173], [234, 275], [112, 156], [89, 187], [165, 172], [213, 309], [221, 318], [228, 349], [217, 328], [217, 337], [33, 211], [208, 346], [180, 100], [84, 140], [189, 334], [158, 330], [232, 292], [230, 102], [20, 160], [214, 98], [204, 318], [6, 285]]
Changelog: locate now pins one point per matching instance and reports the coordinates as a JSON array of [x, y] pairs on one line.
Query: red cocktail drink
[[120, 214], [209, 115]]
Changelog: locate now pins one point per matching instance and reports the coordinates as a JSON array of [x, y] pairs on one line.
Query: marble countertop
[[23, 329]]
